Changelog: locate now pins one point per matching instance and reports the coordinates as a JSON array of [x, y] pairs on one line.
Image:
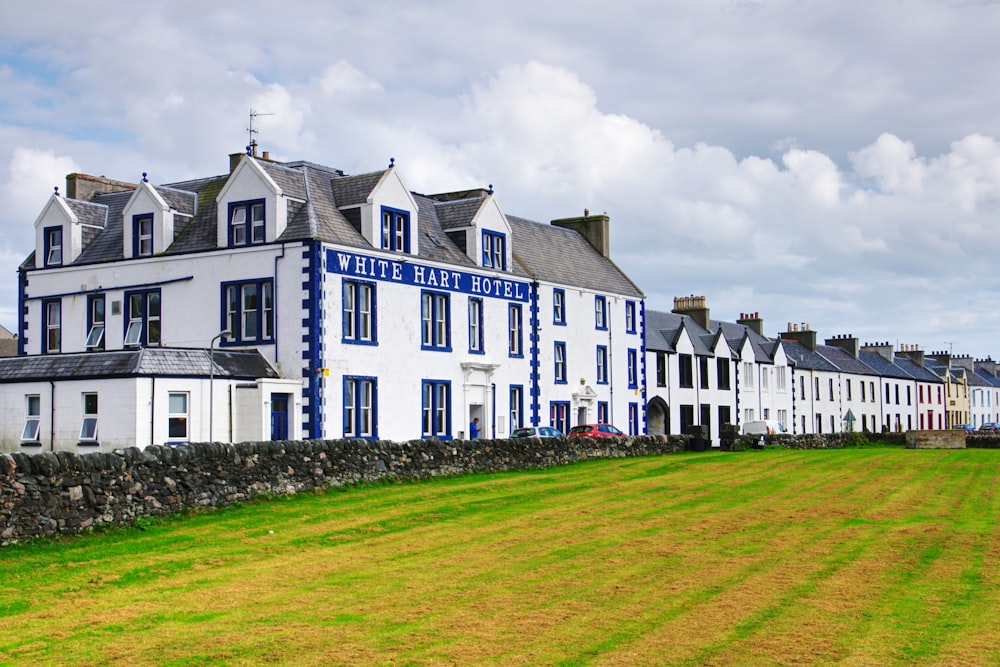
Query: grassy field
[[853, 557]]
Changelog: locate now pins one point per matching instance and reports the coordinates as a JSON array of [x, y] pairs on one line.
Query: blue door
[[279, 416]]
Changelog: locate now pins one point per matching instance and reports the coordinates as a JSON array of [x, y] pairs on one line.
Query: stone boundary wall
[[61, 493]]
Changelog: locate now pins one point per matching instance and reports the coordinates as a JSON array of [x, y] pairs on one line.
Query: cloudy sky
[[829, 163]]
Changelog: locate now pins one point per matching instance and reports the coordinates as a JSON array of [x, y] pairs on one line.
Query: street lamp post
[[211, 383]]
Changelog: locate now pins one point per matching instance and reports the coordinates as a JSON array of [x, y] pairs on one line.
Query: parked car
[[965, 427], [989, 426], [595, 431], [764, 427], [537, 432]]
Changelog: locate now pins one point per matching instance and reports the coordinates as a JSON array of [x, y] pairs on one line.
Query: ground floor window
[[559, 415], [33, 412], [88, 430], [633, 419], [177, 417], [436, 409], [516, 406], [602, 412], [359, 407]]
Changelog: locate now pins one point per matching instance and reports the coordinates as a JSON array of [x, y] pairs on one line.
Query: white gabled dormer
[[252, 207], [389, 218], [492, 242], [474, 221], [58, 234], [147, 224]]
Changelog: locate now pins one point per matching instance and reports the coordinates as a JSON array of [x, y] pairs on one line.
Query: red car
[[595, 431]]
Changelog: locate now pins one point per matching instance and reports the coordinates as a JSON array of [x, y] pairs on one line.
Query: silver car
[[537, 432]]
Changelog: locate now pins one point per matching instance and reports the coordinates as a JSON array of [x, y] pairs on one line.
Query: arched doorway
[[658, 417]]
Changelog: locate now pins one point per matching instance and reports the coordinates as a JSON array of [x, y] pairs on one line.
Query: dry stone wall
[[62, 493]]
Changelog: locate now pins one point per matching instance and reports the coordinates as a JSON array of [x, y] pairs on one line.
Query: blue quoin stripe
[[535, 376], [642, 366], [22, 307], [312, 423]]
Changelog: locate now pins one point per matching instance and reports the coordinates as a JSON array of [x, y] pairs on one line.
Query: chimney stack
[[595, 228], [753, 321], [847, 342], [883, 350], [942, 357], [805, 337], [913, 353], [694, 307], [987, 365], [84, 186]]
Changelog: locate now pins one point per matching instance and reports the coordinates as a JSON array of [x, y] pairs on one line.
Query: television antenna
[[252, 146]]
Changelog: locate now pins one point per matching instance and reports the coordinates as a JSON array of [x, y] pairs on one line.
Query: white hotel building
[[289, 300]]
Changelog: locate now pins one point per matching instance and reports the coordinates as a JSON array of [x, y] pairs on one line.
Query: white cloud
[[791, 159]]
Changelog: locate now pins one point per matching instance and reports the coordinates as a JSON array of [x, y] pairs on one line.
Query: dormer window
[[53, 246], [246, 223], [142, 236], [494, 251], [395, 230]]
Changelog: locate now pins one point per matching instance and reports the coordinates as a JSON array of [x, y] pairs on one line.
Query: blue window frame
[[602, 412], [630, 317], [601, 313], [435, 319], [515, 330], [476, 325], [246, 223], [633, 369], [359, 325], [559, 307], [633, 419], [52, 325], [495, 250], [360, 407], [516, 406], [53, 246], [560, 362], [395, 229], [248, 311], [142, 326], [142, 235], [95, 322], [436, 418], [602, 364], [559, 415]]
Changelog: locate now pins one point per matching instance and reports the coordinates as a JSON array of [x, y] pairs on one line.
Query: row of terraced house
[[289, 300]]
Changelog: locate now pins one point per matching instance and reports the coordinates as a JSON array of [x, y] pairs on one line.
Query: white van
[[764, 427]]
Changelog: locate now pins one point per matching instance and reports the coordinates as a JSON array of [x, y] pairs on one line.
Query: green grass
[[862, 556]]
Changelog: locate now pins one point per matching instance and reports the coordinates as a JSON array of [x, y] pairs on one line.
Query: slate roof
[[918, 372], [843, 360], [993, 380], [182, 201], [663, 329], [883, 366], [108, 245], [764, 348], [559, 255], [457, 214], [89, 213], [435, 244], [355, 190], [805, 359], [540, 251], [143, 362]]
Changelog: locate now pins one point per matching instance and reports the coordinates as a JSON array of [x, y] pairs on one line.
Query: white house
[[372, 311], [691, 371]]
